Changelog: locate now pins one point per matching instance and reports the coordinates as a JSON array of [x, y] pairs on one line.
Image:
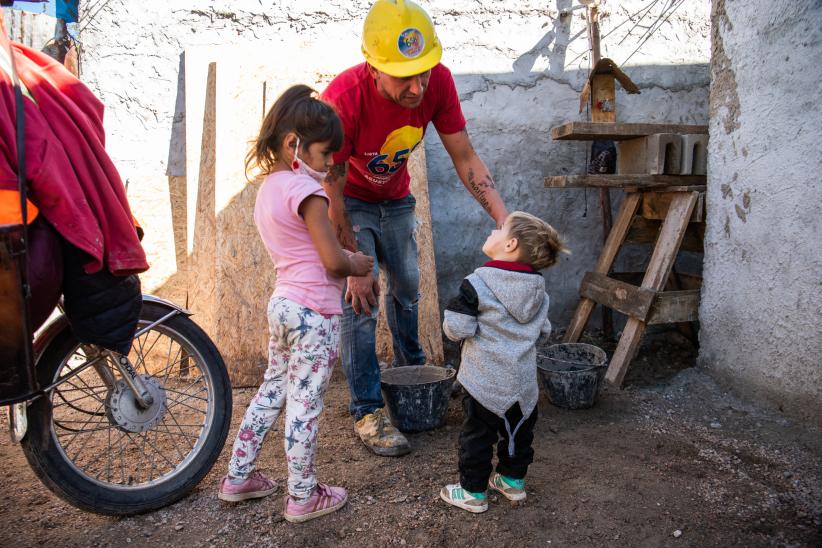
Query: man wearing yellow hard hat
[[385, 105]]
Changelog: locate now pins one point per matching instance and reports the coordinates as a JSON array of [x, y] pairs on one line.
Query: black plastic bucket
[[417, 396], [570, 373]]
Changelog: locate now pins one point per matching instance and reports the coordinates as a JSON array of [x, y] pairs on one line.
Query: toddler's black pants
[[481, 430]]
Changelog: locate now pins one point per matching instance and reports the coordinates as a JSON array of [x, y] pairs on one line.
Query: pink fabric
[[301, 276]]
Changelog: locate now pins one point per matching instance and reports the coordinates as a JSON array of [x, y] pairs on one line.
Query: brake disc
[[124, 411]]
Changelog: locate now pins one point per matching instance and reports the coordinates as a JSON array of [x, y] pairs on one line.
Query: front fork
[[132, 378], [18, 420]]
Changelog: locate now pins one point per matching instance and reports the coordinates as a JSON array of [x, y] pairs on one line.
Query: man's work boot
[[379, 435]]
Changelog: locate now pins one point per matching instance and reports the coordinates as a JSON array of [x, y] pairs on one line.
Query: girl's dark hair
[[297, 110]]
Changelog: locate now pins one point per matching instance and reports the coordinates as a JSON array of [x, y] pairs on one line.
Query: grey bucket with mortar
[[571, 372], [417, 396]]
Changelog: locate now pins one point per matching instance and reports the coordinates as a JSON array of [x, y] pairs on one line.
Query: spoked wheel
[[91, 442]]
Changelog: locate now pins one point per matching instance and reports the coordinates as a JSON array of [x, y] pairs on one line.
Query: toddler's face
[[494, 246]]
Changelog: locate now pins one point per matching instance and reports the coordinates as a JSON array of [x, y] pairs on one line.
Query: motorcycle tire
[[66, 476]]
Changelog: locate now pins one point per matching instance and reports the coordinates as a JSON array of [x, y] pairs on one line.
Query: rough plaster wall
[[518, 67], [761, 302]]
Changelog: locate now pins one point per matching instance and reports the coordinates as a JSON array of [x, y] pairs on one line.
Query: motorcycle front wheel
[[93, 445]]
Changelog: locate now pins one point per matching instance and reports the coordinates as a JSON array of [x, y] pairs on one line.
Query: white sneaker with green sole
[[510, 488], [455, 495]]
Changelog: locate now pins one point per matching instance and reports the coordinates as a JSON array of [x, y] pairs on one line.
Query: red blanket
[[73, 181]]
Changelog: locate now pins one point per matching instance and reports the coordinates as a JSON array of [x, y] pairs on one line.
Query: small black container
[[417, 396], [570, 373]]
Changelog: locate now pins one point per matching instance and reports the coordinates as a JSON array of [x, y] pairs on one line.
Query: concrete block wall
[[519, 67], [762, 299]]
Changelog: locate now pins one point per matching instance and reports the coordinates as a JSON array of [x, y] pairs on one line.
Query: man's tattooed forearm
[[478, 191]]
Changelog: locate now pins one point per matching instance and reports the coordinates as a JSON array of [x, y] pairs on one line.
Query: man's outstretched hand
[[362, 292]]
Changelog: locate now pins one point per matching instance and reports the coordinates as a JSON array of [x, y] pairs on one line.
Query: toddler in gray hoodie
[[500, 312]]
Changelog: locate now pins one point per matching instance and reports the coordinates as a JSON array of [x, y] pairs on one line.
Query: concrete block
[[694, 154], [663, 153]]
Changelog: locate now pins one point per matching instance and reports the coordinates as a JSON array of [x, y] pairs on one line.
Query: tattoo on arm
[[478, 189], [340, 221], [467, 138], [336, 174]]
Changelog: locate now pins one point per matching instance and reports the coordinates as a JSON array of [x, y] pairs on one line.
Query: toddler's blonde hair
[[539, 242]]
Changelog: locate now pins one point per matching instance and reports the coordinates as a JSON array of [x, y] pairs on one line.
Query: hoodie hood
[[521, 293]]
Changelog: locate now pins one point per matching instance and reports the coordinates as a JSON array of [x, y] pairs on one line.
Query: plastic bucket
[[570, 373], [417, 396]]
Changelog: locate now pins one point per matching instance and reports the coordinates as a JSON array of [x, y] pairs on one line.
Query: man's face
[[406, 92]]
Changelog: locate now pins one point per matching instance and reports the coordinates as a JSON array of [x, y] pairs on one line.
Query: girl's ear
[[289, 144]]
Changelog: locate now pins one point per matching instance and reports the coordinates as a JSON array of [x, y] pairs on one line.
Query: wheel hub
[[124, 411]]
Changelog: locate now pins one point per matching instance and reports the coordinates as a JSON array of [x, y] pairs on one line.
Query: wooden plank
[[684, 280], [645, 231], [639, 181], [676, 188], [656, 275], [587, 131], [606, 260], [674, 307], [428, 313], [623, 297], [603, 92], [670, 237], [655, 206]]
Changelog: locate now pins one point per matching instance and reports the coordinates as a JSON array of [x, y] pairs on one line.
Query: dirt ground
[[671, 460]]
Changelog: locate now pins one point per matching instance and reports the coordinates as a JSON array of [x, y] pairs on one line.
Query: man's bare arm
[[334, 184], [474, 174]]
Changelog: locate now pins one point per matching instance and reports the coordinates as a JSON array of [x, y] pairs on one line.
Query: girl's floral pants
[[302, 351]]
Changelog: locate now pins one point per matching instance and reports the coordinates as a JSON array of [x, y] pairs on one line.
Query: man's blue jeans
[[385, 231]]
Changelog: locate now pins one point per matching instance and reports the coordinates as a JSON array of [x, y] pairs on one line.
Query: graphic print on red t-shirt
[[380, 134]]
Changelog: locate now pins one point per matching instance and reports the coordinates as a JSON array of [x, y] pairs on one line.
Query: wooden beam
[[645, 231], [640, 182], [655, 206], [623, 297], [685, 281], [674, 307], [686, 188], [587, 131]]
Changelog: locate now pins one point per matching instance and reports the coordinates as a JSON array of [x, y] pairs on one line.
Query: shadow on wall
[[227, 278]]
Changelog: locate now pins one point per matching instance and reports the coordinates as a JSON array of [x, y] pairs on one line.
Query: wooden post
[[604, 193]]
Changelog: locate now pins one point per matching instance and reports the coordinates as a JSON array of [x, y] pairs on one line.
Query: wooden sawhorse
[[671, 199]]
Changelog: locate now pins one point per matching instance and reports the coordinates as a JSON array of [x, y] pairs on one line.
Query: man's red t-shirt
[[380, 134]]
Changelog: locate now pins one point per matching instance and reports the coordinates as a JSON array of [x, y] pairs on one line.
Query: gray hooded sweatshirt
[[501, 311]]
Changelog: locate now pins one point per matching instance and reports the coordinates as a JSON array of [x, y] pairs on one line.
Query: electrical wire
[[90, 18], [655, 27]]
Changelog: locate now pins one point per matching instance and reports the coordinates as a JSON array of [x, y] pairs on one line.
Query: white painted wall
[[518, 67], [762, 300]]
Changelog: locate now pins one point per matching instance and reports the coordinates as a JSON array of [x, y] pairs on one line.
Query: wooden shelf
[[588, 131], [626, 181]]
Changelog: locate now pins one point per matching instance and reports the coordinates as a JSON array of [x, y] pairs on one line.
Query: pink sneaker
[[254, 487], [324, 500]]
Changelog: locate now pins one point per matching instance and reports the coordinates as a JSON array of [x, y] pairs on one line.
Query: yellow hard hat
[[398, 38]]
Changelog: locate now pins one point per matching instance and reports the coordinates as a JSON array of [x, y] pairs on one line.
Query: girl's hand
[[360, 264]]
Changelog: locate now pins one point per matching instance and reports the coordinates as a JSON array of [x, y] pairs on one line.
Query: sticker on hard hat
[[411, 43]]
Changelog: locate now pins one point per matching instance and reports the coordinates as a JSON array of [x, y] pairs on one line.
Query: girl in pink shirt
[[294, 149]]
